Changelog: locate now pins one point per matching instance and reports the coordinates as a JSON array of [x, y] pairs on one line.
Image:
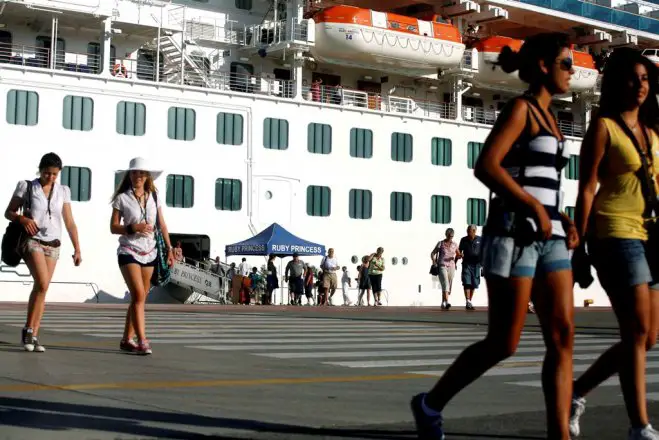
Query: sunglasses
[[566, 64]]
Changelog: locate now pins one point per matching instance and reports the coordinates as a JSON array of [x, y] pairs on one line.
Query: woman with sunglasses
[[613, 220], [525, 240]]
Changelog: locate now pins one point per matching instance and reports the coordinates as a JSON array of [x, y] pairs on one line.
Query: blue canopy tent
[[275, 240]]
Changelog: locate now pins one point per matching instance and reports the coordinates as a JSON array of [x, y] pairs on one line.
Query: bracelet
[[129, 229]]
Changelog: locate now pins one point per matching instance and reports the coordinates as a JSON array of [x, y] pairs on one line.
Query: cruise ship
[[355, 124]]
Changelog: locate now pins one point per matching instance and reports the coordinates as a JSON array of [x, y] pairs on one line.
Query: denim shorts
[[503, 258], [471, 275], [621, 264]]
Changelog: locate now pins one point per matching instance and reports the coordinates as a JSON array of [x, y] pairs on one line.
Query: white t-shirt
[[141, 246], [50, 224], [329, 264], [345, 278]]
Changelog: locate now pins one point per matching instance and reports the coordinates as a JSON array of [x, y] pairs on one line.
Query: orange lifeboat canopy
[[394, 22], [496, 44]]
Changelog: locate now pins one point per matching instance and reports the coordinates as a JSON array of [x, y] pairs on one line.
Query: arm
[[72, 229], [488, 168], [591, 155], [11, 213], [434, 252]]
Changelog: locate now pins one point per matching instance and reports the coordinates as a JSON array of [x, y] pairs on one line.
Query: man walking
[[470, 250], [296, 268], [329, 265]]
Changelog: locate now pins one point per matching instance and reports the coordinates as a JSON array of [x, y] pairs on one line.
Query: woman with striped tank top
[[621, 153], [525, 241]]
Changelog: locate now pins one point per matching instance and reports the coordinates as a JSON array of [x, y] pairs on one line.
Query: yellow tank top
[[619, 203]]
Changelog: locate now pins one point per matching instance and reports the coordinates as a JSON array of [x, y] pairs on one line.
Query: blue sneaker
[[427, 427]]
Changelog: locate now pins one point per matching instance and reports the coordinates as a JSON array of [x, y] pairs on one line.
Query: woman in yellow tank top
[[613, 219]]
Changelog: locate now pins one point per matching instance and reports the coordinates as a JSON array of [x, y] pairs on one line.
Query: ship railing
[[40, 57], [274, 32], [479, 115], [570, 128], [213, 29]]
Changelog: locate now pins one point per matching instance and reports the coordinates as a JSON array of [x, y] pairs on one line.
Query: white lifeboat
[[353, 36], [584, 78]]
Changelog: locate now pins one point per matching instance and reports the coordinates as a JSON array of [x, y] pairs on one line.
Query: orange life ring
[[119, 70]]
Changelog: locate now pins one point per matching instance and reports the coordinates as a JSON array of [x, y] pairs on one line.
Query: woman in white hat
[[135, 201]]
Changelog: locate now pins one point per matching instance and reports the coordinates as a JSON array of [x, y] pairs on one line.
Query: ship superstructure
[[351, 123]]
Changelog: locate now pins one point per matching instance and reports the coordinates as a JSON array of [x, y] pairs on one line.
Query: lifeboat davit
[[352, 36], [584, 77]]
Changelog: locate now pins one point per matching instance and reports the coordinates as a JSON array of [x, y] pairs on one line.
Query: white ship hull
[[285, 175]]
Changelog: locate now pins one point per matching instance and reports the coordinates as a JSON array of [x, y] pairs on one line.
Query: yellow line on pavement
[[207, 383]]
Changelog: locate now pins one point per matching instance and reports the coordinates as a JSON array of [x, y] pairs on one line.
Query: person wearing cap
[[330, 265], [296, 268], [136, 202]]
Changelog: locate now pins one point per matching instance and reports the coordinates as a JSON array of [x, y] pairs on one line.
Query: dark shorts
[[471, 276], [296, 285], [125, 259], [376, 282], [621, 264]]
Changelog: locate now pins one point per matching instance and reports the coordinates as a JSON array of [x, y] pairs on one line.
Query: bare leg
[[554, 299], [42, 269], [506, 314], [133, 275]]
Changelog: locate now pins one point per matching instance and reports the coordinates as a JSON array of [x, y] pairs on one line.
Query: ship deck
[[280, 373]]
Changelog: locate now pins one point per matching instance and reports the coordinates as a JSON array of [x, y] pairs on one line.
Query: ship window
[[228, 194], [180, 191], [401, 147], [244, 4], [78, 113], [361, 143], [22, 107], [118, 176], [42, 52], [441, 152], [473, 151], [181, 124], [476, 212], [94, 57], [361, 204], [400, 206], [319, 201], [440, 209], [79, 180], [319, 138], [131, 118], [411, 28], [275, 134], [569, 211], [229, 129], [572, 168], [394, 25]]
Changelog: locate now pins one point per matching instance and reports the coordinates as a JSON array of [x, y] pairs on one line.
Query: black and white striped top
[[536, 162]]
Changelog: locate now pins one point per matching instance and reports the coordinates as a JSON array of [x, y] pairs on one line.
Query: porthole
[[405, 261], [268, 195], [394, 261], [354, 259]]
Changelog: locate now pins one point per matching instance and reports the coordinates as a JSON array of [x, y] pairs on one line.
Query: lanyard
[[50, 196], [143, 216]]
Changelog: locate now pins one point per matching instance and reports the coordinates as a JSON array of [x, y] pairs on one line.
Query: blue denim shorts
[[503, 258], [471, 275], [621, 264]]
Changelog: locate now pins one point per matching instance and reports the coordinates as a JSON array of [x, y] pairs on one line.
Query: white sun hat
[[141, 164]]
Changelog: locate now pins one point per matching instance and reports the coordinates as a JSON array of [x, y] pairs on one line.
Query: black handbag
[[434, 270], [15, 234]]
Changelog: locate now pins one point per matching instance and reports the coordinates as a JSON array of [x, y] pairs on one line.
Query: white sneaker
[[576, 411], [645, 433]]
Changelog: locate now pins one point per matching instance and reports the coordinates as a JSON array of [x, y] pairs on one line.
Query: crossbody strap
[[644, 174], [154, 193]]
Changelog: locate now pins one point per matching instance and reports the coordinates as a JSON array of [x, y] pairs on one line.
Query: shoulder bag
[[15, 234], [161, 272]]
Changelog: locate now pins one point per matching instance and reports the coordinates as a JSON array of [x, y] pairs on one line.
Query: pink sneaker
[[143, 348], [128, 345]]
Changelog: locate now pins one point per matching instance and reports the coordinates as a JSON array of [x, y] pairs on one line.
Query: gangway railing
[[200, 280]]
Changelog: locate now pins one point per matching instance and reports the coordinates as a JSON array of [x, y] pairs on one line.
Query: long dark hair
[[618, 70], [126, 184], [545, 46]]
